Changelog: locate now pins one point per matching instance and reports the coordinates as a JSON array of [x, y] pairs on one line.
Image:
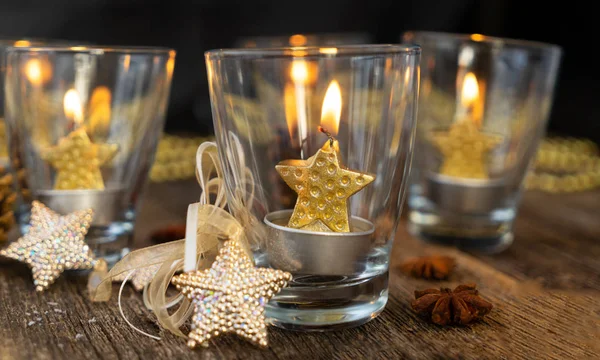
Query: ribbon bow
[[206, 227]]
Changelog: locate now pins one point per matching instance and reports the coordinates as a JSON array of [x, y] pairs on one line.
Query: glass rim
[[311, 51], [92, 49], [37, 41], [479, 38]]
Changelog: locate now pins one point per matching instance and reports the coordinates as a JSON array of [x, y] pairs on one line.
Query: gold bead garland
[[565, 165], [176, 158]]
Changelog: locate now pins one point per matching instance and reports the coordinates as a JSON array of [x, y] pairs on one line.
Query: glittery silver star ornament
[[54, 243], [140, 278], [230, 296]]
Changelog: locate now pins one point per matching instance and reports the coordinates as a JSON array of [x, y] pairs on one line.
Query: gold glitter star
[[77, 161], [140, 278], [323, 188], [54, 243], [464, 148], [230, 296]]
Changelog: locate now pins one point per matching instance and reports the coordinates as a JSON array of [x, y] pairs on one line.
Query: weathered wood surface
[[546, 291]]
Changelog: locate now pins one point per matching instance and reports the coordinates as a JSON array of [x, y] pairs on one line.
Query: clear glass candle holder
[[484, 105], [83, 125], [316, 144]]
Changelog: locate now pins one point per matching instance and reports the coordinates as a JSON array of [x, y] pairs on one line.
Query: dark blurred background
[[191, 27]]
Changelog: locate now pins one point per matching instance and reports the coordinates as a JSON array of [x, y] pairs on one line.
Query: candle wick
[[326, 132]]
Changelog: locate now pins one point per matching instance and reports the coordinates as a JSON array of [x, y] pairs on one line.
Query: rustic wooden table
[[546, 291]]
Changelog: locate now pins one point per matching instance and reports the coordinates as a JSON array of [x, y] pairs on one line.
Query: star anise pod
[[429, 267], [462, 305]]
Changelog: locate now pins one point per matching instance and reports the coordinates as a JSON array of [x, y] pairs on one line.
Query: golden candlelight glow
[[72, 106], [328, 51], [171, 63], [297, 40], [99, 110], [477, 37], [299, 72], [33, 70], [126, 62], [297, 52], [470, 90], [470, 98], [289, 102], [37, 71], [22, 43], [332, 108]]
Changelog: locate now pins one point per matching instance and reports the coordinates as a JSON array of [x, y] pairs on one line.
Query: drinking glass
[[484, 106], [316, 144], [83, 125]]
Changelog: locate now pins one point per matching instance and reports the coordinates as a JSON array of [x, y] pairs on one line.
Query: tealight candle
[[463, 182], [321, 214], [76, 158], [77, 161]]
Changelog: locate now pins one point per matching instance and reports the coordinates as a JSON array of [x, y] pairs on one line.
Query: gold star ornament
[[230, 296], [464, 149], [323, 186], [53, 243], [77, 161]]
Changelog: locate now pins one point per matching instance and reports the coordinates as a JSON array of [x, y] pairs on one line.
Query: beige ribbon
[[213, 225]]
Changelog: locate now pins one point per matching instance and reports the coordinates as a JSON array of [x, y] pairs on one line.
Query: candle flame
[[37, 71], [298, 40], [470, 90], [33, 71], [289, 102], [22, 43], [72, 106], [332, 108], [299, 72], [471, 100]]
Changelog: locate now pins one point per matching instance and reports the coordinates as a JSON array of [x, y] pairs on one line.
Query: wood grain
[[546, 291]]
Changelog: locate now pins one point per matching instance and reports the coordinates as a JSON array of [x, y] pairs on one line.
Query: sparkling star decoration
[[140, 278], [77, 161], [464, 149], [230, 296], [54, 243], [323, 188]]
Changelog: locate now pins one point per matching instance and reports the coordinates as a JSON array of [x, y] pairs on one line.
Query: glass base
[[323, 303], [489, 245], [478, 227], [111, 242]]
